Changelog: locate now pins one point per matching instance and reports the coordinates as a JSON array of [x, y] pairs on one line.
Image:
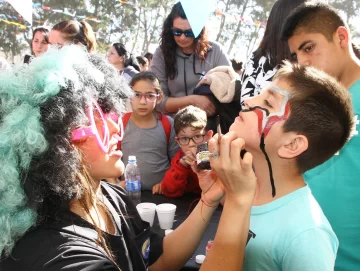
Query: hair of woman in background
[[123, 61], [149, 57], [39, 42], [237, 66], [143, 62], [73, 32], [356, 49], [263, 64]]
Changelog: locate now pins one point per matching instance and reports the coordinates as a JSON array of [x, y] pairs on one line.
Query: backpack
[[164, 121]]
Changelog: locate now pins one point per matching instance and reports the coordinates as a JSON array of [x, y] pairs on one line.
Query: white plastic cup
[[147, 211], [166, 214]]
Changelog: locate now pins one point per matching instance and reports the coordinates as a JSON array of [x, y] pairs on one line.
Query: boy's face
[[263, 114], [314, 49], [193, 137]]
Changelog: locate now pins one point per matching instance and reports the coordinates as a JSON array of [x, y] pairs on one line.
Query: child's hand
[[157, 189], [236, 174], [188, 159]]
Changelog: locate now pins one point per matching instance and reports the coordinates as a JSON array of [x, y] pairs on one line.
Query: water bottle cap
[[132, 158]]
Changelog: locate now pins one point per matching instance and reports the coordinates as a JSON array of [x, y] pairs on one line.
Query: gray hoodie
[[188, 77]]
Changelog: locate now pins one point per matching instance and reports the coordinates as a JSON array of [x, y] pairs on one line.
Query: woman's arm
[[174, 104], [228, 249], [238, 181], [179, 246]]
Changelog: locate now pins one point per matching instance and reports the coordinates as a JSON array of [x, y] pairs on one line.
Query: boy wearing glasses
[[190, 127]]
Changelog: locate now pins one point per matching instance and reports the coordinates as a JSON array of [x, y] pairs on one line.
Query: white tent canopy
[[24, 7]]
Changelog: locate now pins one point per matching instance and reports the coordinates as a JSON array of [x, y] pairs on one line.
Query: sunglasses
[[178, 32], [101, 132]]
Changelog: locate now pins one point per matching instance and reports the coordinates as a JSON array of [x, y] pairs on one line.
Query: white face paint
[[269, 120], [268, 114]]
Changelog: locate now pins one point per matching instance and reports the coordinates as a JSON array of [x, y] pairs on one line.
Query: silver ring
[[215, 155]]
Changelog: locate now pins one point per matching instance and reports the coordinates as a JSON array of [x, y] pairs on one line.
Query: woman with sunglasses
[[59, 123], [181, 60]]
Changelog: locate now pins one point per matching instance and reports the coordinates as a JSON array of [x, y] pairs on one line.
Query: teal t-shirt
[[336, 186], [291, 233]]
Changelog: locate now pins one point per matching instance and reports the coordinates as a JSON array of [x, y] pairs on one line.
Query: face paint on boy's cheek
[[274, 119], [265, 123], [261, 114]]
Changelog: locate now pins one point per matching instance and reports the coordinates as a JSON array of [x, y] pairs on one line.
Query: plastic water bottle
[[132, 180]]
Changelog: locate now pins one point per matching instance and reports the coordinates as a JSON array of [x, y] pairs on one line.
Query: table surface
[[183, 204]]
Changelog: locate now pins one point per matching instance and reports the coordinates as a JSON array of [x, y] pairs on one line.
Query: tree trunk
[[137, 33], [223, 18], [154, 26], [250, 48], [233, 40]]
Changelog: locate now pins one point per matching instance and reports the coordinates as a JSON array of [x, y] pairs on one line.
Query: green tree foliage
[[136, 23], [239, 23], [11, 42]]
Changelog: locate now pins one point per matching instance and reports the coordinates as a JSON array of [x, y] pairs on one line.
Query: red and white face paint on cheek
[[266, 120]]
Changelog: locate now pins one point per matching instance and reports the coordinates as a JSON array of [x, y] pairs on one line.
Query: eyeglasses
[[188, 33], [149, 97], [102, 132], [186, 140]]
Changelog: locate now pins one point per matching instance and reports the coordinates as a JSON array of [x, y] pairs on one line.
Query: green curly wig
[[40, 104]]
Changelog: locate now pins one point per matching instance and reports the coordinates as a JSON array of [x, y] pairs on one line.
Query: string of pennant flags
[[247, 20], [19, 21]]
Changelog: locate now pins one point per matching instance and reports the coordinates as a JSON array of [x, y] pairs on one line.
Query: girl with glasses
[[181, 60], [145, 135]]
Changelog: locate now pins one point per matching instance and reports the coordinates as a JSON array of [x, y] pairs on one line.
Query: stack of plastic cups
[[166, 214], [147, 211]]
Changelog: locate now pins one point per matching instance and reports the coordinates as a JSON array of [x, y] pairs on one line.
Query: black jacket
[[69, 243]]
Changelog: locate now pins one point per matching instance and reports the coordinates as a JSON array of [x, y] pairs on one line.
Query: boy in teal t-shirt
[[301, 120], [318, 36], [336, 186]]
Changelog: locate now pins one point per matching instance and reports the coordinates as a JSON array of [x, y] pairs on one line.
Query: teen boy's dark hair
[[190, 116], [313, 18], [320, 109]]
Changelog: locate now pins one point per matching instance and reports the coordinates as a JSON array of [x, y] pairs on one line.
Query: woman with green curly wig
[[59, 128]]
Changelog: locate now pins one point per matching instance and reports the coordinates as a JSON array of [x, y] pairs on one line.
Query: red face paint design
[[274, 119], [261, 114]]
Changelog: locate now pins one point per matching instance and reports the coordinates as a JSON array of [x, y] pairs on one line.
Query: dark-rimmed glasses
[[178, 32], [186, 140]]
